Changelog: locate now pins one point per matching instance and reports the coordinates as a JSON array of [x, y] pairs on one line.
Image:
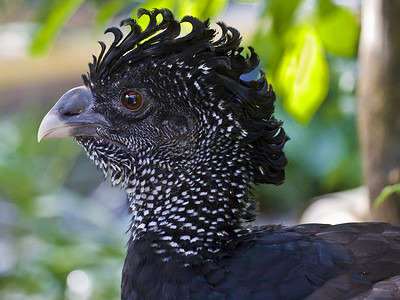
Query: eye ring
[[132, 100]]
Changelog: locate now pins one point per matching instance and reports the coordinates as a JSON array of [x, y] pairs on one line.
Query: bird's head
[[174, 99]]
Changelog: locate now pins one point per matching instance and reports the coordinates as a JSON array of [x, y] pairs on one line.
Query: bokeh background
[[62, 227]]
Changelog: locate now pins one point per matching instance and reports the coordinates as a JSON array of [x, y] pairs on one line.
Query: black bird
[[170, 118]]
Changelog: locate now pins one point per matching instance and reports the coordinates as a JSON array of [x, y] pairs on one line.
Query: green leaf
[[339, 31], [54, 22], [282, 13], [208, 9], [385, 193], [302, 75], [108, 11]]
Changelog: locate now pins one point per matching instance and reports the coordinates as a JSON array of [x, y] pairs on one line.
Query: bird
[[171, 118]]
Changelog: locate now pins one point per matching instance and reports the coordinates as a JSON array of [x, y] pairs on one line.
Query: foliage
[[57, 13], [298, 44], [386, 193]]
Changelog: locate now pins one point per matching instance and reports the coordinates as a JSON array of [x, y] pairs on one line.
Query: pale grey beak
[[72, 116]]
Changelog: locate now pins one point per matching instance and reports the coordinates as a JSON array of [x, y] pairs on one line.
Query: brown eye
[[132, 100]]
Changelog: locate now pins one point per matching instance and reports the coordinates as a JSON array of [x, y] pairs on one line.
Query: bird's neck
[[189, 208], [189, 198]]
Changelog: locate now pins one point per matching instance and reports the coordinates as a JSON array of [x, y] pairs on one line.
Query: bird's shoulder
[[312, 261]]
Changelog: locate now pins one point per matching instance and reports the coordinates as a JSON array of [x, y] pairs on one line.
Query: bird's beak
[[72, 116]]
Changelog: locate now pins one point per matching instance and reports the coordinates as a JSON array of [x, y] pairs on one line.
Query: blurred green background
[[62, 227]]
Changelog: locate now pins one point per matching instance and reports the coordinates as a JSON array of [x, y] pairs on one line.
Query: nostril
[[72, 109], [70, 113]]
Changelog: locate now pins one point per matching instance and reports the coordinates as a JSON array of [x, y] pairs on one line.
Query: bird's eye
[[132, 100]]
